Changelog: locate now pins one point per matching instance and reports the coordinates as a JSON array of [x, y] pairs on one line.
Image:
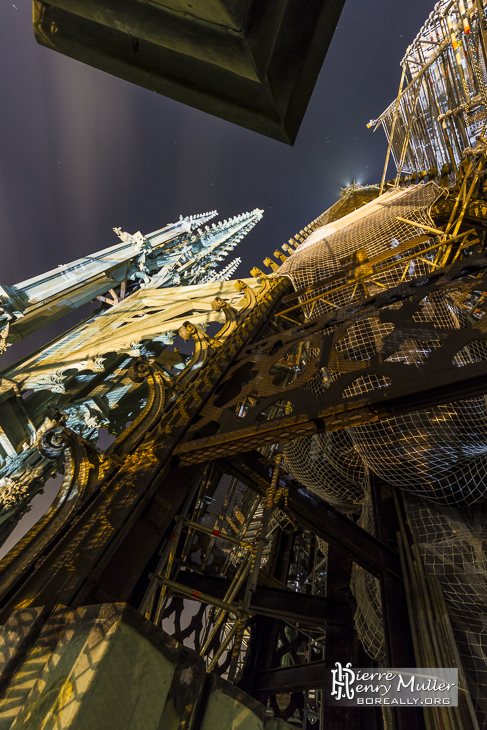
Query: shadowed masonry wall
[[107, 667]]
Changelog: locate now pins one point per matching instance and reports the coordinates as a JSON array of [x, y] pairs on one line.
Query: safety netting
[[438, 456]]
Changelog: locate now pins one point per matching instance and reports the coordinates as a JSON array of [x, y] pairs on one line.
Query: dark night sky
[[82, 151]]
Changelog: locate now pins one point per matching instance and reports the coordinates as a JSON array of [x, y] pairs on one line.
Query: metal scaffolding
[[441, 107]]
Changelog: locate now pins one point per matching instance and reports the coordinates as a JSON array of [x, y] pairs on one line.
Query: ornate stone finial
[[240, 285], [279, 255], [218, 304], [188, 330], [137, 239], [257, 273], [123, 235], [269, 262]]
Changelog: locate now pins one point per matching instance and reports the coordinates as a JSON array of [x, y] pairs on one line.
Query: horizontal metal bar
[[218, 534], [278, 603], [198, 595], [288, 428], [295, 678]]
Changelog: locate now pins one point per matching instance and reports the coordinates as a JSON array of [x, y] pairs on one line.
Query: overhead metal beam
[[274, 602], [295, 678]]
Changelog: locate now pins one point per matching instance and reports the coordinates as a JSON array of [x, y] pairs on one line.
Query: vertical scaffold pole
[[396, 110]]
